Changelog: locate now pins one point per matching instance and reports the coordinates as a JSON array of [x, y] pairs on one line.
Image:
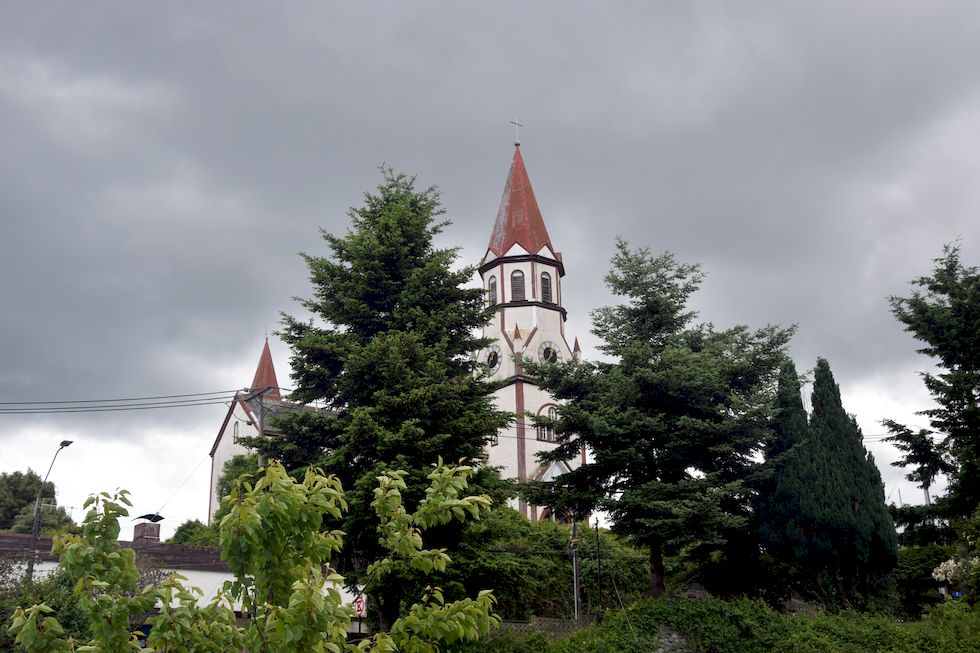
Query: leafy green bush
[[746, 626], [531, 568], [54, 589]]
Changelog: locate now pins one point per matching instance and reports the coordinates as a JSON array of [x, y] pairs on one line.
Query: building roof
[[265, 375], [170, 556], [519, 220]]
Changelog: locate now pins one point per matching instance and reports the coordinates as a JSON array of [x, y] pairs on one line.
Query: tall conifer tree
[[778, 497], [389, 352], [827, 511], [673, 423], [943, 312]]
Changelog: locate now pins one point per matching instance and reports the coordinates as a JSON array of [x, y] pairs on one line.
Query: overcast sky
[[161, 166]]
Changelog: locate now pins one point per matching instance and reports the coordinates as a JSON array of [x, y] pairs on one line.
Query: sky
[[163, 165]]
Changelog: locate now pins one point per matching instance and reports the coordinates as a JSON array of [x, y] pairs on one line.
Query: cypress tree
[[778, 497], [829, 501]]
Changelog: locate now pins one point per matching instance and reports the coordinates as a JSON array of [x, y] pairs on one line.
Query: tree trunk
[[656, 569], [389, 605]]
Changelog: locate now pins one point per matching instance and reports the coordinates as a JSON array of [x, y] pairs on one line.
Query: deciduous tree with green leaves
[[673, 423], [285, 583], [18, 490], [390, 352]]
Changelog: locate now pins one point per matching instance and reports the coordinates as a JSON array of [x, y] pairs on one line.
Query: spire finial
[[517, 131]]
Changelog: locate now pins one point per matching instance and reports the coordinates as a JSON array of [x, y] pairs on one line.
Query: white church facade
[[522, 274]]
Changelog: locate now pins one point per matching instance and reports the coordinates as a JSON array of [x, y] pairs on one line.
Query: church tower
[[522, 274], [246, 418]]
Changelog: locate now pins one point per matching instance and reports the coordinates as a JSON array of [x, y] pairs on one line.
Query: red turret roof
[[265, 375], [519, 219]]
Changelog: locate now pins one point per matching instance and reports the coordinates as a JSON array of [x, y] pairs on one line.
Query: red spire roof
[[265, 375], [519, 219]]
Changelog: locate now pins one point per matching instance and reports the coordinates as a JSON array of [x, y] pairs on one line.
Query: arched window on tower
[[517, 286], [492, 290], [546, 432], [546, 288]]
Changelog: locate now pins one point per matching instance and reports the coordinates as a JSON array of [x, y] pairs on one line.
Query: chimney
[[146, 533]]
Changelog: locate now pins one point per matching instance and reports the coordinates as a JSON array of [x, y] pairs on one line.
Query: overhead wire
[[110, 408], [150, 402], [100, 401]]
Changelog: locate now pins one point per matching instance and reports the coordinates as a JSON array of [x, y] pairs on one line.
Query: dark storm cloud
[[162, 165]]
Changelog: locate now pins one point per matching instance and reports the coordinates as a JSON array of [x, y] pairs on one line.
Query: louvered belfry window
[[546, 288], [517, 286], [492, 290]]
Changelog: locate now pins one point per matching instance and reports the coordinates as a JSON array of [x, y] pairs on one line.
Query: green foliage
[[921, 453], [18, 492], [389, 352], [674, 424], [922, 524], [752, 627], [827, 514], [53, 520], [54, 590], [193, 532], [272, 540], [917, 586], [961, 572], [532, 570], [943, 312], [231, 472]]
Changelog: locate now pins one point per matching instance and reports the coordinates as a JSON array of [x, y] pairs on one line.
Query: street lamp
[[36, 527]]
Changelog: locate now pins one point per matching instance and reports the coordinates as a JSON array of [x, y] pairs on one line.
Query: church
[[522, 274]]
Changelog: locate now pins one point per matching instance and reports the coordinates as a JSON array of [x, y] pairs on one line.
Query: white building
[[247, 416]]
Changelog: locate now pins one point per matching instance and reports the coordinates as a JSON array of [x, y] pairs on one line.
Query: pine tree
[[673, 424], [944, 313], [391, 358]]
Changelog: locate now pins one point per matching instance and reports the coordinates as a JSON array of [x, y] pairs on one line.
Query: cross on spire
[[517, 131]]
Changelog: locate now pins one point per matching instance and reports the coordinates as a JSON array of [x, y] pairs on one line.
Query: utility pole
[[573, 545], [36, 526], [598, 569]]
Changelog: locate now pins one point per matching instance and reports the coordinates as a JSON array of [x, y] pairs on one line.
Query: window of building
[[492, 290], [546, 288], [234, 433], [494, 439], [517, 286], [546, 432]]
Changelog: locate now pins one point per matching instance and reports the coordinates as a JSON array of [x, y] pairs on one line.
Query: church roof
[[519, 220], [265, 375]]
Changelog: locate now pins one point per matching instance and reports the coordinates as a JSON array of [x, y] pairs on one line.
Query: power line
[[111, 407], [119, 404], [102, 401], [184, 482]]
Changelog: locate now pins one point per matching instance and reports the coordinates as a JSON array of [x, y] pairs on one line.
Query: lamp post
[[36, 527]]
